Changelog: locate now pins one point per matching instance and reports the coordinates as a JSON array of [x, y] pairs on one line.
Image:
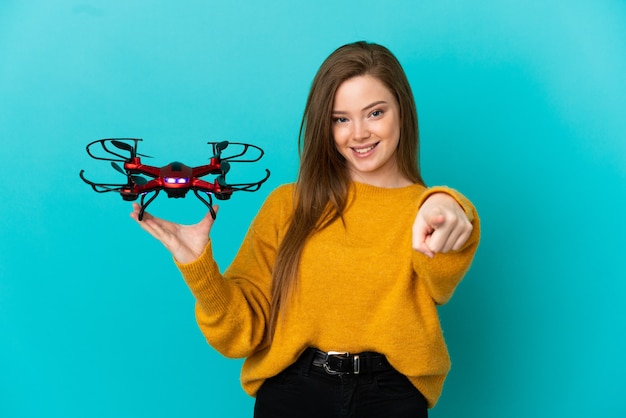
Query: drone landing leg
[[209, 204], [144, 206]]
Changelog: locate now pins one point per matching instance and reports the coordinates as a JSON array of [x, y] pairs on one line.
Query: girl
[[332, 296]]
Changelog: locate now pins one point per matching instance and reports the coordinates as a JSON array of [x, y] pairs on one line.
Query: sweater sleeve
[[444, 272], [232, 309]]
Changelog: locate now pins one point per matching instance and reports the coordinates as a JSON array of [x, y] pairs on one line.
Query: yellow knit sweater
[[361, 288]]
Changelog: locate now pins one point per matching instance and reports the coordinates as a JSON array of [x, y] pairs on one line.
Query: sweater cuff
[[205, 281]]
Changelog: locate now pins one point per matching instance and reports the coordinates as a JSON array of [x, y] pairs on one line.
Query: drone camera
[[176, 193]]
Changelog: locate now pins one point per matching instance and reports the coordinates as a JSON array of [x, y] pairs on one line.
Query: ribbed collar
[[367, 190]]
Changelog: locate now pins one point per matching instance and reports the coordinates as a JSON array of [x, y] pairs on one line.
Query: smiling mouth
[[365, 150]]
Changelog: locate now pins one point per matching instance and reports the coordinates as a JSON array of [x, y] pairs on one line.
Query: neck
[[394, 181]]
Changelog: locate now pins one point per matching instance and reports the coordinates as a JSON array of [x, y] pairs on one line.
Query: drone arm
[[203, 170], [136, 167], [204, 186]]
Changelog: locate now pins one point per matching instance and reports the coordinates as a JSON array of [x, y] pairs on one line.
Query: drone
[[175, 178]]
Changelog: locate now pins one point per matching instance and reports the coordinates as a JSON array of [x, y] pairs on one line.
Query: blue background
[[521, 107]]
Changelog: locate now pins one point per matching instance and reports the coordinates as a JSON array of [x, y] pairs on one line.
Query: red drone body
[[176, 178]]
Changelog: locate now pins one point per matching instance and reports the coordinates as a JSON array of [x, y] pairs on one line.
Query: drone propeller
[[138, 180], [127, 147], [218, 147], [224, 168], [114, 155], [123, 145], [118, 168]]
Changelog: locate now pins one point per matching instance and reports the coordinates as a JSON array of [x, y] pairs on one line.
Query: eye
[[376, 113], [340, 119]]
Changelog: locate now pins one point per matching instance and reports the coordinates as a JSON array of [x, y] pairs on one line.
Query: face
[[366, 130]]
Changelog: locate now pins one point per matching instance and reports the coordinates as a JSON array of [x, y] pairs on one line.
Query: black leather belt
[[340, 363]]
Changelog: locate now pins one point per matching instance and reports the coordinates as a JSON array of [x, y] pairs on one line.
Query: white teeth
[[364, 150]]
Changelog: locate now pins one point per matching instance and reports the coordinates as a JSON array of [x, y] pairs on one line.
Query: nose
[[361, 130]]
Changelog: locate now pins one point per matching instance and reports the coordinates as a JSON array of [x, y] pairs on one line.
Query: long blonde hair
[[322, 187]]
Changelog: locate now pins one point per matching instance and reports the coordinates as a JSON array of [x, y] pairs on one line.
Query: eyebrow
[[369, 106]]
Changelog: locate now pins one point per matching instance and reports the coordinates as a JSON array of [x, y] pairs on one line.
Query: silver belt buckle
[[356, 366]]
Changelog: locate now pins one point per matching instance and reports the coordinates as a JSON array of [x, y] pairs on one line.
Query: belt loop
[[370, 374], [307, 361]]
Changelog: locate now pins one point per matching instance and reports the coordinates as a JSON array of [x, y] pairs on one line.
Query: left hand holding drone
[[441, 225], [185, 242]]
